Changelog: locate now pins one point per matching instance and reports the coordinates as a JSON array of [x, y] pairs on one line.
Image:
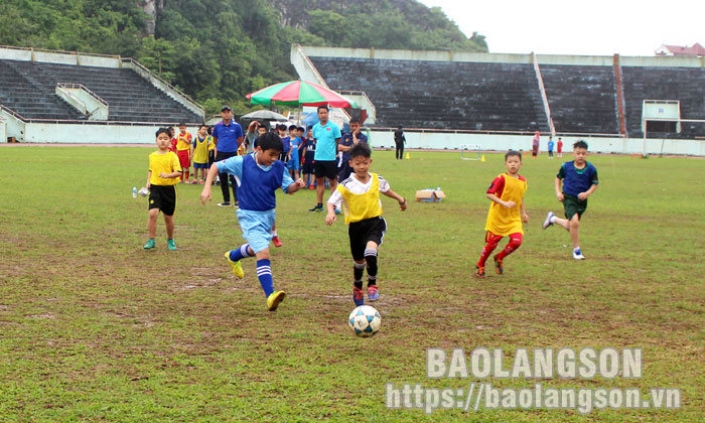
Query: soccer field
[[96, 329]]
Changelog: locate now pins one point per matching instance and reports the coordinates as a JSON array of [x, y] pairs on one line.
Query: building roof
[[669, 50]]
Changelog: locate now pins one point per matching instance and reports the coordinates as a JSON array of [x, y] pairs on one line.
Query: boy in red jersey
[[183, 150], [506, 214]]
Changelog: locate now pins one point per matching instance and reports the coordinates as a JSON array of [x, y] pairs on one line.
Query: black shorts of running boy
[[163, 197], [362, 232]]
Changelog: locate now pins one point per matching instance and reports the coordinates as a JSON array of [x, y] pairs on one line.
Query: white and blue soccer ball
[[365, 321]]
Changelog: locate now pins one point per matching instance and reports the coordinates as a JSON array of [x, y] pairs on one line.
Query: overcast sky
[[595, 27]]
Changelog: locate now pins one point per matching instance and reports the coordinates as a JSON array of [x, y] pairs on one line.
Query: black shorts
[[326, 169], [573, 206], [307, 168], [362, 232], [163, 197]]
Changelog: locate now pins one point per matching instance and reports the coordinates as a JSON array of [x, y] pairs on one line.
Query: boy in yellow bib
[[506, 213], [358, 196]]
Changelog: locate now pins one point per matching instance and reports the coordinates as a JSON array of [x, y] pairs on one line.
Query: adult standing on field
[[327, 135], [227, 136], [399, 140]]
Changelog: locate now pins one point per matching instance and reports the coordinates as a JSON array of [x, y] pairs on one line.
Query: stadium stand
[[685, 84], [582, 98], [28, 88], [442, 95]]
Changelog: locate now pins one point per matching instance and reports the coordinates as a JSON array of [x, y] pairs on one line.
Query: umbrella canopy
[[264, 115], [299, 93]]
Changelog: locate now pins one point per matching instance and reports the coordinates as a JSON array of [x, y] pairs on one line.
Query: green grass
[[96, 329]]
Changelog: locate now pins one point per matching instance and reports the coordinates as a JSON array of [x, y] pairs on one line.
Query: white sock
[[274, 233]]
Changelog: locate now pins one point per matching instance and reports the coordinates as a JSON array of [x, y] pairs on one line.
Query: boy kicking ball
[[579, 180], [506, 213]]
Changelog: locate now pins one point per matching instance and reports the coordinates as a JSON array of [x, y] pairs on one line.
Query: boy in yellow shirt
[[202, 144], [506, 213], [359, 197], [163, 174]]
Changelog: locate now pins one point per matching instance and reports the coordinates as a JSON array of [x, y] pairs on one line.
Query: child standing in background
[[183, 150], [550, 147], [202, 145]]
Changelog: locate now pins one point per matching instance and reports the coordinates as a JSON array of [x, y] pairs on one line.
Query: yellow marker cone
[[407, 156], [482, 159]]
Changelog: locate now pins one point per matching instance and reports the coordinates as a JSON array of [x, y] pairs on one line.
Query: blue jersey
[[257, 185], [550, 146], [348, 141], [575, 180], [326, 144], [310, 145]]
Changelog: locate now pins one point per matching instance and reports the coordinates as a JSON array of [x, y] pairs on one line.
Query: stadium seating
[[582, 98], [28, 88], [442, 95], [684, 84]]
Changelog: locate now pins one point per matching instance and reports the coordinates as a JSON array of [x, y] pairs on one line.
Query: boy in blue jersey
[[579, 178], [258, 176]]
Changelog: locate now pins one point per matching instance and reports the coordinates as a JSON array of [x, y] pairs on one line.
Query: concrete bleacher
[[442, 95], [28, 89], [582, 98], [685, 84]]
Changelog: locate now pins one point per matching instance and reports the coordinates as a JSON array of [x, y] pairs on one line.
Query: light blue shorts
[[256, 227]]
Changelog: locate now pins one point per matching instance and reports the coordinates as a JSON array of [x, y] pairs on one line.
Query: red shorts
[[184, 160]]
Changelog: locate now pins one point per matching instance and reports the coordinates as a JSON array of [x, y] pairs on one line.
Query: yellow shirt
[[163, 163], [363, 206], [200, 153], [501, 220], [183, 141]]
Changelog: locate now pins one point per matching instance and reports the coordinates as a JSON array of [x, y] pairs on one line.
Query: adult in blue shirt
[[227, 136], [327, 136], [349, 140]]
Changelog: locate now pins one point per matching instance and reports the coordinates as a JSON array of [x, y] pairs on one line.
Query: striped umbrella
[[299, 93]]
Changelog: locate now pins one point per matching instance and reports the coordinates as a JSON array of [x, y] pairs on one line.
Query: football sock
[[358, 269], [274, 233], [188, 175], [358, 284], [487, 250], [371, 258], [240, 253], [514, 244], [264, 274]]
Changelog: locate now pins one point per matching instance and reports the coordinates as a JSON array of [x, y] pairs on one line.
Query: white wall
[[451, 141]]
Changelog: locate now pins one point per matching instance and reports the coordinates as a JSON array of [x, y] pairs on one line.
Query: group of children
[[198, 150], [261, 173]]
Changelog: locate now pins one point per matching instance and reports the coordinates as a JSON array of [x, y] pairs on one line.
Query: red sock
[[491, 243], [513, 245]]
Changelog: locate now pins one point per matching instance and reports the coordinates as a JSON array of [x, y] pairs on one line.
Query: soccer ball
[[365, 321]]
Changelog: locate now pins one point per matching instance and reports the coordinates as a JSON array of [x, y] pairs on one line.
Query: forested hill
[[219, 50]]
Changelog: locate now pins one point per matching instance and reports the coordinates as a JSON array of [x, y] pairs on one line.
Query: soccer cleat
[[358, 296], [150, 244], [224, 204], [373, 293], [311, 187], [578, 255], [277, 242], [274, 299], [480, 271], [547, 222], [498, 266], [236, 265], [316, 208], [171, 244]]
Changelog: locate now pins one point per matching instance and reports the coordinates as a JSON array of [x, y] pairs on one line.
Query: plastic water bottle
[[134, 192]]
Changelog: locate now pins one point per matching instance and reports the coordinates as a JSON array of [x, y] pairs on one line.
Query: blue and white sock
[[264, 274], [240, 253]]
